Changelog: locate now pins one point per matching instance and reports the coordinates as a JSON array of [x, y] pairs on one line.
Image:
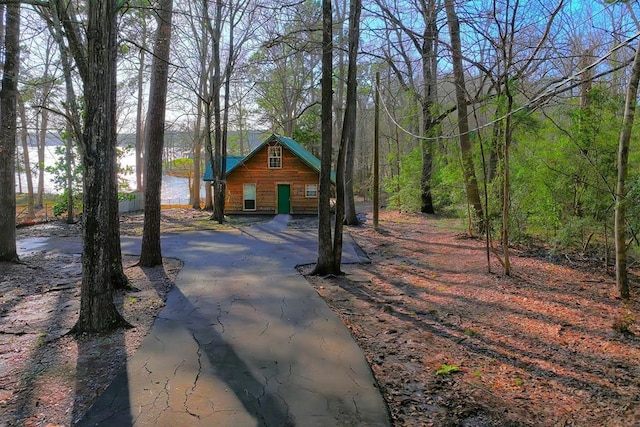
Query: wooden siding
[[294, 172]]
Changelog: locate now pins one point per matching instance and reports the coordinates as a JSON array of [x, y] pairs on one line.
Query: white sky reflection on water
[[174, 190]]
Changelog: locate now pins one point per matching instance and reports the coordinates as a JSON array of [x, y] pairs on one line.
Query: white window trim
[[306, 191], [270, 156], [255, 199]]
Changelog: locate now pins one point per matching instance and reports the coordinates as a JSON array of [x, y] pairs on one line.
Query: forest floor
[[449, 343], [453, 345]]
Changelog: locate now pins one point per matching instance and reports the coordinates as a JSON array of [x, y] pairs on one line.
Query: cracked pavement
[[243, 340]]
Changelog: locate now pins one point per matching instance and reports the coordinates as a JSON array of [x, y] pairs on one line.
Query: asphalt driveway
[[244, 340]]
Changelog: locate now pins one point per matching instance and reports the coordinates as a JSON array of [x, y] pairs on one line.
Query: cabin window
[[249, 197], [311, 190], [275, 157]]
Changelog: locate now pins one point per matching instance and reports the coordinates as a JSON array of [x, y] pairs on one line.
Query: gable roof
[[292, 145], [309, 159], [232, 162]]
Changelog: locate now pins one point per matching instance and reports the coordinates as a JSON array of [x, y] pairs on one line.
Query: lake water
[[174, 190]]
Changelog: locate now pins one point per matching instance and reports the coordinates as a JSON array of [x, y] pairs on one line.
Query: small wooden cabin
[[278, 176]]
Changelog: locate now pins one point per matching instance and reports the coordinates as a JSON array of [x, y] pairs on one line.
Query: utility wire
[[533, 103]]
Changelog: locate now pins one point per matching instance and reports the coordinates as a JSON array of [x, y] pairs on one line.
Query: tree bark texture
[[197, 160], [506, 184], [206, 76], [57, 31], [623, 168], [336, 257], [74, 123], [219, 185], [97, 310], [426, 198], [199, 134], [24, 137], [151, 253], [69, 172], [324, 264], [497, 136], [468, 169], [208, 196], [428, 51], [208, 146], [2, 24], [339, 17], [42, 142], [140, 158], [8, 122], [422, 88], [376, 155], [119, 280], [350, 214]]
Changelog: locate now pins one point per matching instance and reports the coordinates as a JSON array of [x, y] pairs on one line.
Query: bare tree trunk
[[468, 170], [340, 12], [241, 130], [8, 123], [421, 87], [324, 264], [74, 123], [69, 173], [336, 260], [40, 143], [24, 137], [207, 100], [18, 170], [351, 216], [219, 187], [345, 134], [350, 212], [507, 59], [208, 196], [210, 157], [119, 280], [2, 25], [139, 115], [623, 168], [150, 253], [98, 70], [495, 142], [41, 137], [197, 159], [506, 184], [225, 118], [426, 145], [199, 133], [376, 155], [427, 102]]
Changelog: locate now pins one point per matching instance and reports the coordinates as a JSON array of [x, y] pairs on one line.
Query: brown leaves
[[537, 348]]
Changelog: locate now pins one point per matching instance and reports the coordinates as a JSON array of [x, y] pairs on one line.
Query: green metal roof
[[312, 161], [232, 162], [292, 145]]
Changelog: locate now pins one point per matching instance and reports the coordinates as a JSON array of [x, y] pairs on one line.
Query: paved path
[[243, 341]]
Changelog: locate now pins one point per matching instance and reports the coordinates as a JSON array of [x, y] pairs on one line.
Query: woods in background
[[516, 116]]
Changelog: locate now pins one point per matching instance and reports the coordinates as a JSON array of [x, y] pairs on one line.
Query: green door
[[284, 198]]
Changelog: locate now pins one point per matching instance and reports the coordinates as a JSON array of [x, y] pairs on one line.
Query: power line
[[535, 102]]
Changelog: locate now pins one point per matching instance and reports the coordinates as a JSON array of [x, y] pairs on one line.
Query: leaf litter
[[551, 345]]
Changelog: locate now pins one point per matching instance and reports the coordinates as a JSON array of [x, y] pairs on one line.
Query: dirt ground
[[453, 345], [449, 343]]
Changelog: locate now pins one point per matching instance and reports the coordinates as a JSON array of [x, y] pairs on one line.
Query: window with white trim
[[311, 190], [249, 197], [275, 157]]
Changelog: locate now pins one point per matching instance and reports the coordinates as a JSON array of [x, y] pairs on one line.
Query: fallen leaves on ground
[[453, 345], [48, 377], [449, 343]]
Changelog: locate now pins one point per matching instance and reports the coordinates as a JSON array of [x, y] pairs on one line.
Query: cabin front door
[[284, 198]]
